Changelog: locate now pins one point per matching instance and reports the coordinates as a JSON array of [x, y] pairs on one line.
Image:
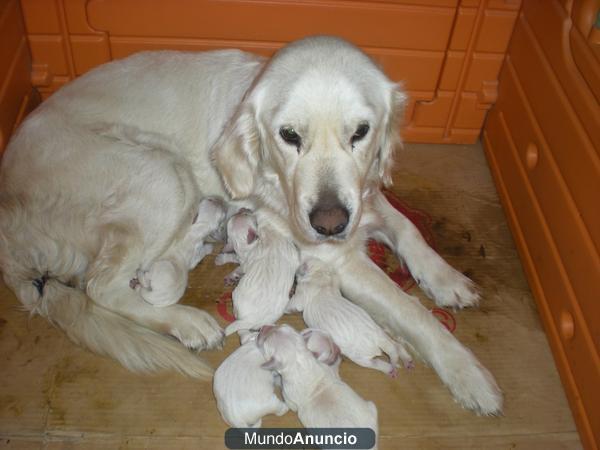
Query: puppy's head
[[282, 346], [315, 134], [242, 232], [321, 345], [315, 271]]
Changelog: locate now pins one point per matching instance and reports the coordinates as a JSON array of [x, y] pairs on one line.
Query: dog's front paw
[[473, 386], [448, 287], [196, 329]]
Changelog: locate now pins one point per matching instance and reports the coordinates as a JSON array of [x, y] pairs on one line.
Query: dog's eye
[[360, 132], [289, 135]]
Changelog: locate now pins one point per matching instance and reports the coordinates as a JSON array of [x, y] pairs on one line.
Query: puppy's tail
[[104, 332]]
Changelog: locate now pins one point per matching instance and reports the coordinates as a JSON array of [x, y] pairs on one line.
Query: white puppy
[[352, 329], [245, 391], [165, 281], [268, 262], [312, 388]]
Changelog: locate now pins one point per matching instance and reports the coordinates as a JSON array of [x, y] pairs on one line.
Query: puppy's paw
[[134, 284], [226, 258], [196, 329], [143, 279], [448, 287], [232, 278]]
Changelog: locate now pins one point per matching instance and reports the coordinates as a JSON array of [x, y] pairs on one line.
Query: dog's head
[[314, 134]]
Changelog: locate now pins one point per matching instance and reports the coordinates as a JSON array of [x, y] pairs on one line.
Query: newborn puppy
[[312, 388], [268, 262], [245, 391], [165, 281], [352, 329]]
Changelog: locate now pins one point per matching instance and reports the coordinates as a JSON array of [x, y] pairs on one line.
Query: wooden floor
[[54, 395]]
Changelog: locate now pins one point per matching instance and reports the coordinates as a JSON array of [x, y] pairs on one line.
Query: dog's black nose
[[329, 220]]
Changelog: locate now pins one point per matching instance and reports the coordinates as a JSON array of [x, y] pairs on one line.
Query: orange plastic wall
[[17, 96], [542, 140], [448, 53]]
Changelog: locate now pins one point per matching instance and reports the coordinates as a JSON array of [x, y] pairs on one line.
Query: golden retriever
[[105, 176]]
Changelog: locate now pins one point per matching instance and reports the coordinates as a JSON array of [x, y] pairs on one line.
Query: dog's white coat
[[311, 388], [352, 329], [88, 204], [245, 392], [268, 261]]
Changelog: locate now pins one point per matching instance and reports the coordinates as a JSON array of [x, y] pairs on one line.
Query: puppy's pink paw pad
[[394, 373]]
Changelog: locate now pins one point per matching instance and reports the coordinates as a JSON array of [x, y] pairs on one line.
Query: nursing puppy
[[165, 281], [268, 261], [352, 329], [245, 392], [313, 389]]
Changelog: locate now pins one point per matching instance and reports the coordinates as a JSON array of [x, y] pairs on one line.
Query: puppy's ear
[[391, 137], [334, 354], [237, 152], [252, 236], [271, 364]]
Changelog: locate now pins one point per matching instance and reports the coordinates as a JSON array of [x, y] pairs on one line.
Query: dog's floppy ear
[[236, 152], [391, 138]]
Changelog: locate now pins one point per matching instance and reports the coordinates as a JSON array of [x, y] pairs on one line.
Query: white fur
[[105, 176], [352, 329], [268, 262], [245, 392], [311, 388], [165, 281]]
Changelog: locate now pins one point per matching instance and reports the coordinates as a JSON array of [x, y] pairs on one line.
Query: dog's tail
[[28, 256], [104, 332]]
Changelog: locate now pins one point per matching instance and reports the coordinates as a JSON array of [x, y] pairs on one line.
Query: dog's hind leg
[[108, 285], [446, 285], [404, 316]]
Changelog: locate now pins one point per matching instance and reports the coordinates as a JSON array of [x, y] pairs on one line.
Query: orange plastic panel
[[437, 48], [16, 94], [542, 143]]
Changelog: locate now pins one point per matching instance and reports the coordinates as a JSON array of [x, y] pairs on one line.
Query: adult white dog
[[309, 134]]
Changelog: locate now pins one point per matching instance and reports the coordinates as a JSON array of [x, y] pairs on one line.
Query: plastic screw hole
[[531, 156], [567, 327]]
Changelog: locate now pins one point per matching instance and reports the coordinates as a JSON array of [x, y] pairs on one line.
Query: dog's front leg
[[404, 316], [444, 284]]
